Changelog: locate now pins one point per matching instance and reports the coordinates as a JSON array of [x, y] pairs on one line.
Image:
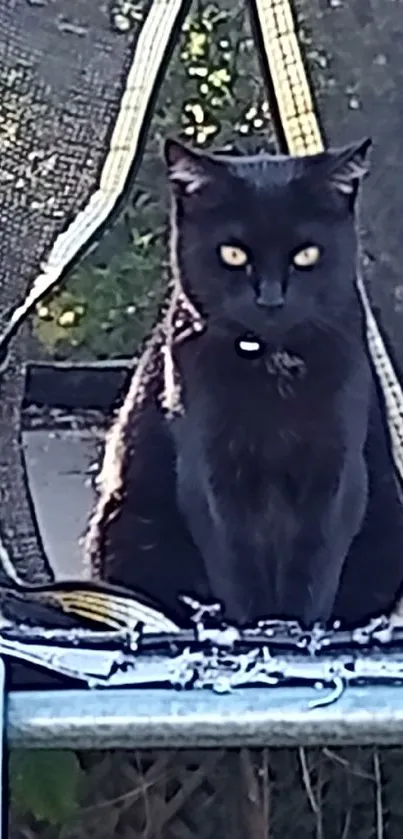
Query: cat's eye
[[233, 256], [307, 257]]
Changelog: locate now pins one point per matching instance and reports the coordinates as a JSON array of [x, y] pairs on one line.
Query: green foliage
[[213, 93], [44, 784], [107, 306]]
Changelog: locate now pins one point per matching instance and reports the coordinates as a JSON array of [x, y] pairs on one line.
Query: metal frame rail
[[248, 717]]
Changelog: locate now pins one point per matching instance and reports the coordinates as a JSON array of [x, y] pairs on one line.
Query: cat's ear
[[348, 166], [189, 170]]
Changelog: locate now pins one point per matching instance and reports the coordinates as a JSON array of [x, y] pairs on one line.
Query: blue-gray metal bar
[[132, 718], [3, 774]]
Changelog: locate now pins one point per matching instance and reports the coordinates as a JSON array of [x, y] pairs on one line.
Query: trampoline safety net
[[66, 76]]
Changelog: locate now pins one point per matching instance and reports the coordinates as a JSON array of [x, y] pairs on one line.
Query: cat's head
[[266, 242]]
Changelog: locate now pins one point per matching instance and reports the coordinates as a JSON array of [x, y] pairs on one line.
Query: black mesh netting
[[63, 69], [63, 73]]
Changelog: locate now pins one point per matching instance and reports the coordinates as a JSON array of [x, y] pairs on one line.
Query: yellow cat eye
[[233, 256], [306, 257]]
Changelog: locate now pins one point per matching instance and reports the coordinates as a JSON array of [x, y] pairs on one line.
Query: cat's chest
[[242, 443], [246, 425]]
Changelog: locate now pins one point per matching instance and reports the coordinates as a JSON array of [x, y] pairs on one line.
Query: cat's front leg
[[224, 573], [310, 584]]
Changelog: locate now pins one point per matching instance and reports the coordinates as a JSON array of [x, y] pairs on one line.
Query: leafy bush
[[44, 784]]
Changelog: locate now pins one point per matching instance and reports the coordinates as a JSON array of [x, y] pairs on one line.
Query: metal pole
[[4, 773]]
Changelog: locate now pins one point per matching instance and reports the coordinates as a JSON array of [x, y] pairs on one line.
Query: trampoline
[[73, 134]]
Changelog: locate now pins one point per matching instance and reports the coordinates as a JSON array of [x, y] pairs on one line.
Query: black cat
[[274, 492]]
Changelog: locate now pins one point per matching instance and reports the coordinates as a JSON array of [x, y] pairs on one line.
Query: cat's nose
[[270, 296]]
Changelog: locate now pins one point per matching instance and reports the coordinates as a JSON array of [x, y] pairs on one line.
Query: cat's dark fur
[[270, 491]]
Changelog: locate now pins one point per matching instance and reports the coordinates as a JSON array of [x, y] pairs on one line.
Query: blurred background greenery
[[213, 94]]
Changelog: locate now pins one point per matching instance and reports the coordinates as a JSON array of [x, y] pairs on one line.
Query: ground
[[59, 468]]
